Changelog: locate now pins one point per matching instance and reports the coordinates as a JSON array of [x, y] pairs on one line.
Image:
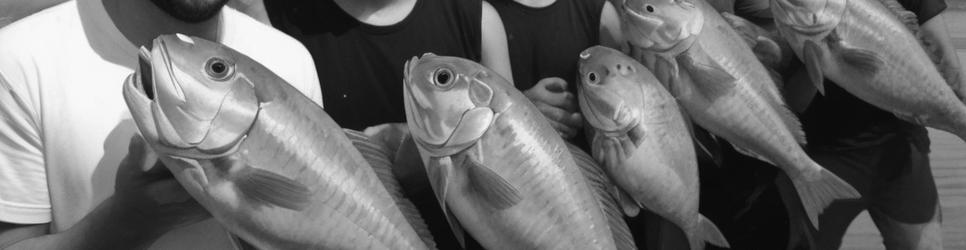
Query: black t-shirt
[[360, 66], [840, 120], [546, 42]]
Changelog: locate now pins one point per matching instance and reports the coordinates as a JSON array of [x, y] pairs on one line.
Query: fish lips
[[138, 92], [140, 95], [596, 104]]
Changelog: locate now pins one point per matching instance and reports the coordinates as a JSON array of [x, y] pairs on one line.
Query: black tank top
[[360, 66], [546, 42]]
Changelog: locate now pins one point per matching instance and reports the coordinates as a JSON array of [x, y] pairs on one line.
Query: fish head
[[190, 97], [661, 25], [810, 18], [609, 91], [448, 102]]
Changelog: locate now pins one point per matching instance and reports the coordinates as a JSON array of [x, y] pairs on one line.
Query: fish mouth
[[605, 118], [144, 83]]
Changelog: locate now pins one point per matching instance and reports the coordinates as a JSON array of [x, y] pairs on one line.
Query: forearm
[[106, 227], [934, 30]]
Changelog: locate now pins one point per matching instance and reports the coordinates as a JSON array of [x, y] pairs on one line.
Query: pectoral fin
[[813, 54], [439, 172], [491, 187], [752, 154], [866, 61], [863, 60], [710, 79], [265, 187]]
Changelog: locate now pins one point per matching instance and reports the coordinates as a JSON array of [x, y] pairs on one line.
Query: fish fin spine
[[710, 79], [819, 191], [492, 187], [707, 231], [812, 57], [266, 187], [378, 157], [439, 171], [600, 183]]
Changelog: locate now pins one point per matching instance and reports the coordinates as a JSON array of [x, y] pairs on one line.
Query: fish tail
[[817, 192], [706, 231]]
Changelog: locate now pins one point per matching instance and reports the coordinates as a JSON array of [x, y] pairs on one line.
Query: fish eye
[[592, 78], [443, 77], [218, 69], [649, 8]]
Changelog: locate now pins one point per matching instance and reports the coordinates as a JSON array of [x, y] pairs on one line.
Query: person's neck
[[140, 21], [378, 12], [535, 3]]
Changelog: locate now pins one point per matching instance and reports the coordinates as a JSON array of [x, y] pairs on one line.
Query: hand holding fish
[[559, 106], [149, 202]]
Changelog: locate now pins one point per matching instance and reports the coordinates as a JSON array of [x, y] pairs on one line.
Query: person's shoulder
[[38, 30]]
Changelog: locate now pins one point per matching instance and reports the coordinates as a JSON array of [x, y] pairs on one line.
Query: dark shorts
[[894, 177]]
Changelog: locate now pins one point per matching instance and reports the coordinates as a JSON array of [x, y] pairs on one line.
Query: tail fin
[[818, 193], [706, 231]]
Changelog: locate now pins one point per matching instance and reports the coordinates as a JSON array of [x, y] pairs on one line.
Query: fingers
[[552, 91], [167, 191], [567, 123], [553, 84]]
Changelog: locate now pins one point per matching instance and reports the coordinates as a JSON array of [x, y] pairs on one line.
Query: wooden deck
[[948, 159]]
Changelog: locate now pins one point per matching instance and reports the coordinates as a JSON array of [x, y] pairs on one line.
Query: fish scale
[[903, 78], [508, 180], [725, 89], [273, 167], [294, 149]]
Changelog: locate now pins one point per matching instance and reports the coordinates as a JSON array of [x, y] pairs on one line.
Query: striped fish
[[268, 163], [500, 172], [869, 50], [726, 90], [643, 140]]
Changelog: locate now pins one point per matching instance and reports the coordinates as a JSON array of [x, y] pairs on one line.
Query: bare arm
[[145, 205], [494, 52], [936, 32], [610, 27]]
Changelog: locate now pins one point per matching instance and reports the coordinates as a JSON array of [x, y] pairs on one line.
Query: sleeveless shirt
[[360, 66], [546, 42]]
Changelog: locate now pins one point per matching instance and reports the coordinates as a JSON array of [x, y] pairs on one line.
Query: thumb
[[554, 84]]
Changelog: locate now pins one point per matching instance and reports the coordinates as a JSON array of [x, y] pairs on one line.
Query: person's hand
[[559, 106], [147, 198], [956, 79]]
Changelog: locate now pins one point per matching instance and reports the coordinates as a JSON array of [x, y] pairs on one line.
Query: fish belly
[[558, 209], [348, 206], [908, 83]]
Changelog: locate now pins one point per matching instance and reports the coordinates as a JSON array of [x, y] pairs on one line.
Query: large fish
[[267, 162], [495, 164], [863, 47], [726, 90], [639, 124]]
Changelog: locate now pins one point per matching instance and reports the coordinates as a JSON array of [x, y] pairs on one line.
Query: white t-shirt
[[64, 126]]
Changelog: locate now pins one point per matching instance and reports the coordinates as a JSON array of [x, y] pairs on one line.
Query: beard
[[191, 11]]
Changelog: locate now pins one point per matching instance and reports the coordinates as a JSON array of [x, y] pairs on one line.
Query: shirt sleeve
[[24, 198]]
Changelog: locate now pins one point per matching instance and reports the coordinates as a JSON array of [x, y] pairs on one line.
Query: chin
[[191, 11]]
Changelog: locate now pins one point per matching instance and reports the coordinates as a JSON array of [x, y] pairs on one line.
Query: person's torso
[[76, 70], [546, 41], [361, 65]]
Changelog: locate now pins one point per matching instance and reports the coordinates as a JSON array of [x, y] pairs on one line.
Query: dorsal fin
[[378, 158], [600, 183]]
